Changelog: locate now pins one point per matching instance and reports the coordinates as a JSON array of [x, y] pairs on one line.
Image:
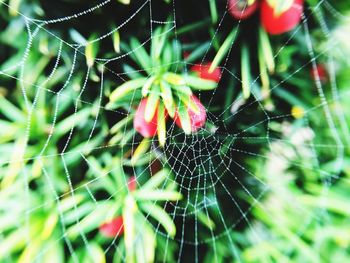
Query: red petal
[[132, 183], [113, 228], [240, 10], [197, 120], [285, 22], [146, 129], [203, 72]]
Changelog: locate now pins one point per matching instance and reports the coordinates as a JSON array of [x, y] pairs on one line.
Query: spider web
[[208, 167]]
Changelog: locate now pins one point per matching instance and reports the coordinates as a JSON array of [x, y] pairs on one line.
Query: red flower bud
[[321, 72], [276, 24], [132, 183], [112, 228], [240, 9], [203, 72], [146, 129], [197, 119]]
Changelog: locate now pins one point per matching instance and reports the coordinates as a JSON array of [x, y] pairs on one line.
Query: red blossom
[[112, 228], [146, 129], [197, 119], [132, 183], [276, 24], [240, 9], [203, 72]]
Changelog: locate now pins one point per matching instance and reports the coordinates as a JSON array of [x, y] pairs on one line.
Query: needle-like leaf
[[245, 71], [152, 104], [223, 50], [167, 97], [126, 88], [161, 129]]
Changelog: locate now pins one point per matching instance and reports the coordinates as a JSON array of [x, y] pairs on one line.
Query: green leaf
[[129, 211], [15, 163], [213, 11], [91, 221], [12, 242], [167, 57], [149, 242], [156, 179], [159, 40], [141, 55], [30, 251], [299, 243], [189, 103], [176, 52], [77, 37], [95, 254], [131, 72], [147, 86], [71, 121], [11, 111], [290, 98], [155, 43], [124, 2], [167, 97], [213, 35], [140, 151], [183, 90], [14, 7], [116, 41], [54, 252], [152, 104], [174, 79], [160, 216], [36, 70], [198, 83], [206, 220], [126, 88], [157, 195], [266, 50], [193, 26], [119, 175], [68, 202], [263, 73], [198, 52], [49, 226], [245, 71], [184, 118], [8, 131], [44, 45], [91, 50], [128, 135], [161, 125], [70, 217], [225, 47], [121, 125], [144, 160], [335, 204]]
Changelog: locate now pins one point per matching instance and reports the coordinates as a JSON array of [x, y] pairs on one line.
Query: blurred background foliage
[[71, 162]]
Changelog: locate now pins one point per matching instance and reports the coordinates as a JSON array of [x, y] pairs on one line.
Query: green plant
[[174, 131]]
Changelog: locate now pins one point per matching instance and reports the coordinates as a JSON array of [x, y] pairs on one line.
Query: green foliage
[[266, 181]]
